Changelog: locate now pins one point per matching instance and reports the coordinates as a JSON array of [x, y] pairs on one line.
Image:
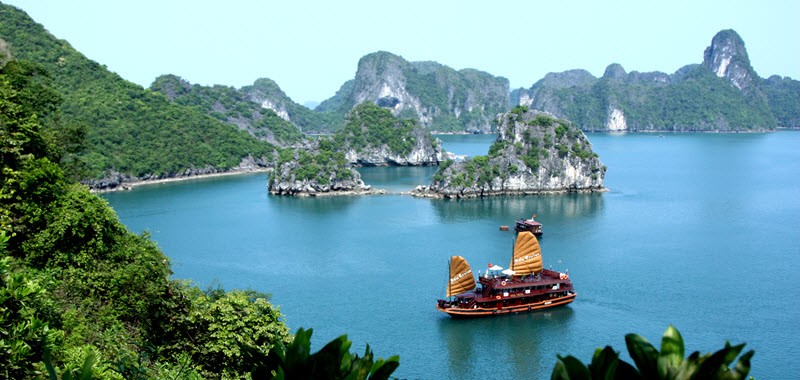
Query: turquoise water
[[697, 230]]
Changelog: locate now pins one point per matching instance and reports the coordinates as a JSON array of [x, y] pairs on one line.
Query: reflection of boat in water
[[530, 225], [525, 286]]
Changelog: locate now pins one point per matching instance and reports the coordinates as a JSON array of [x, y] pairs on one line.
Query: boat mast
[[513, 245], [449, 283]]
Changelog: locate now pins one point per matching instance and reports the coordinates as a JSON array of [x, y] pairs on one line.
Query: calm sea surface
[[697, 230]]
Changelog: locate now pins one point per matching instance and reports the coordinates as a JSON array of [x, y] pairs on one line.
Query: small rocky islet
[[534, 153]]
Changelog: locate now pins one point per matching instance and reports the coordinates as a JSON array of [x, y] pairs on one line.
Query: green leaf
[[689, 366], [382, 369], [570, 368], [86, 369], [716, 364], [643, 354], [743, 365], [604, 363], [671, 355]]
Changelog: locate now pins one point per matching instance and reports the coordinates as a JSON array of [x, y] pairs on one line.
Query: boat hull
[[457, 312], [533, 227]]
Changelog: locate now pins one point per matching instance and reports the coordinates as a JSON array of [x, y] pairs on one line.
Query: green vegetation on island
[[784, 100], [368, 126]]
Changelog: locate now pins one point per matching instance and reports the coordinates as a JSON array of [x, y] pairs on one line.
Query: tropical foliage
[[650, 363], [76, 287]]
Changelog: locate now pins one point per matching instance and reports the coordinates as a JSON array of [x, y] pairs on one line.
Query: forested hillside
[[230, 106], [127, 129]]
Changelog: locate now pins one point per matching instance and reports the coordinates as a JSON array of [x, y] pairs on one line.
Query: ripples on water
[[698, 230]]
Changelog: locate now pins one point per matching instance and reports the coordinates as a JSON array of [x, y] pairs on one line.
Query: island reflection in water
[[511, 208]]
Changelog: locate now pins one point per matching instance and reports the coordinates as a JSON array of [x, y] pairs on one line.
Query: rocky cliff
[[534, 153], [727, 58], [440, 97], [372, 136], [269, 95], [721, 94]]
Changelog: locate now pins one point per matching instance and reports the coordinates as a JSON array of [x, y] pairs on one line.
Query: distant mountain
[[441, 98], [265, 120], [131, 131], [723, 93]]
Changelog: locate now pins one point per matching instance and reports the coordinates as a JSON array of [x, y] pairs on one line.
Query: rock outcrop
[[440, 97], [316, 170], [5, 53], [286, 184], [727, 58], [534, 153]]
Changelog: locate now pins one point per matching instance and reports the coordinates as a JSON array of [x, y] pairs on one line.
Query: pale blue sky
[[311, 47]]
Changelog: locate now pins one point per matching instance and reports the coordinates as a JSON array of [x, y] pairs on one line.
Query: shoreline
[[340, 193], [426, 192], [126, 186]]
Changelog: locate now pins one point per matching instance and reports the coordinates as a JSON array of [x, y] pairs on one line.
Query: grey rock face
[[727, 58]]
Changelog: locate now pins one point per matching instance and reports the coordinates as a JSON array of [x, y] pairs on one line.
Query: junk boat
[[525, 286], [529, 225]]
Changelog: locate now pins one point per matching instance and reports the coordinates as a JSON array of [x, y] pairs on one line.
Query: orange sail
[[461, 277], [527, 255]]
